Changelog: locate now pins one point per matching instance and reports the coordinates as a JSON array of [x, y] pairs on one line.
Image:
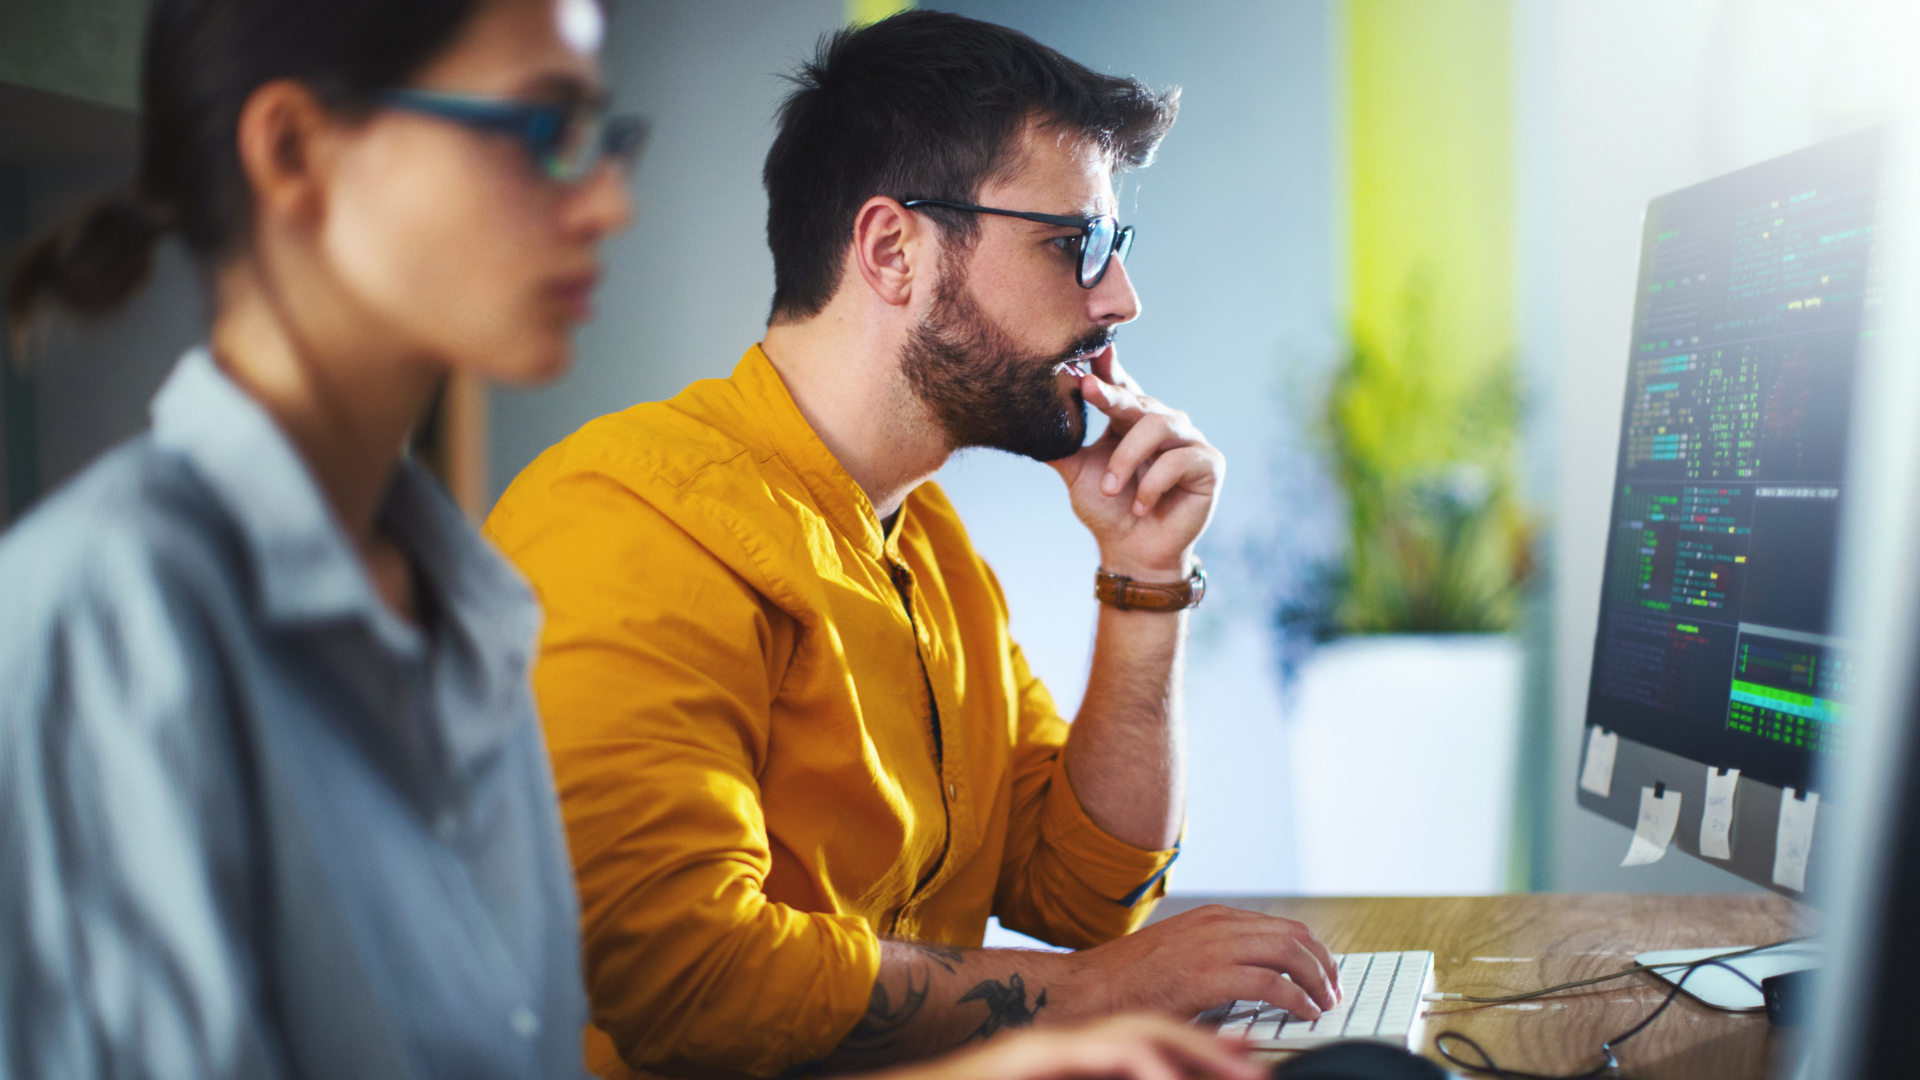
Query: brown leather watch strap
[[1125, 593]]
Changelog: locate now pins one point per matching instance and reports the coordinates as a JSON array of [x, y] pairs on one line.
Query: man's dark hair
[[925, 105]]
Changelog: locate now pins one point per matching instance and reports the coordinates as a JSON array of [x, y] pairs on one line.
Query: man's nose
[[1113, 301]]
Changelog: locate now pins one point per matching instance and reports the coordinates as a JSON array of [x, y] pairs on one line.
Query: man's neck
[[843, 371]]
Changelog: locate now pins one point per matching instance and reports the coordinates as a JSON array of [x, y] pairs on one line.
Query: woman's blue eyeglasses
[[566, 141]]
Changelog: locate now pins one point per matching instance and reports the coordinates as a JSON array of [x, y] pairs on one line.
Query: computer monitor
[[1866, 994], [1715, 648]]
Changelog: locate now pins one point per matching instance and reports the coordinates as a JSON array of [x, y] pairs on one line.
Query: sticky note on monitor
[[1597, 774], [1659, 815], [1793, 841], [1716, 816]]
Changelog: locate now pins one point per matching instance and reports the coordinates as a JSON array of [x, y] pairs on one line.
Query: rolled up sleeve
[[1064, 879], [656, 687]]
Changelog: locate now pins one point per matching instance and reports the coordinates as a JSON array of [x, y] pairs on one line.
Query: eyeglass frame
[[539, 126], [1118, 248]]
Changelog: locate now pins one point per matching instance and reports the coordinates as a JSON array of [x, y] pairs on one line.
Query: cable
[[1487, 1066]]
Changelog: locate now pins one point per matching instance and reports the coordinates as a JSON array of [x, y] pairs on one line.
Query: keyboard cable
[[1488, 1067]]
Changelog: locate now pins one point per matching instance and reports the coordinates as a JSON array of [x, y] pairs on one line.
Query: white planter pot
[[1403, 752]]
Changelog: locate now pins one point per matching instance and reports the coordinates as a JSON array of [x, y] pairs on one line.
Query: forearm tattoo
[[878, 1031], [1006, 1005], [883, 1031]]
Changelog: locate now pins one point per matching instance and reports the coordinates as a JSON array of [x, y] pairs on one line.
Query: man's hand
[[1121, 1048], [1146, 487], [1209, 956], [931, 998]]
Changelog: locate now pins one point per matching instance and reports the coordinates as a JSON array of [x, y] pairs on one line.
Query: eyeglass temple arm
[[1044, 219]]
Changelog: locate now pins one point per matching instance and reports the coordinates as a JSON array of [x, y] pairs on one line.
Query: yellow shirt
[[754, 781]]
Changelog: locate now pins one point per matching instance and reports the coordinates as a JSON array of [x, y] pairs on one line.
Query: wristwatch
[[1126, 594]]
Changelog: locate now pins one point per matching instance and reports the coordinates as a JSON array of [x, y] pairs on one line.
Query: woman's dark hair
[[925, 105], [202, 60]]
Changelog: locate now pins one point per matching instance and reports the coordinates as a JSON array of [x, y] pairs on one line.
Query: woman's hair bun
[[91, 264]]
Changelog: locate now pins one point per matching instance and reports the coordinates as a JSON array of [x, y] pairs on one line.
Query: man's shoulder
[[655, 442], [656, 450], [691, 469]]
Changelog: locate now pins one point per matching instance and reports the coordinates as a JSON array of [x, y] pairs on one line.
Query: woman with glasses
[[273, 800]]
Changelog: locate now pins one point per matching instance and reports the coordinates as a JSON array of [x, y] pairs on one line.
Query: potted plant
[[1403, 703]]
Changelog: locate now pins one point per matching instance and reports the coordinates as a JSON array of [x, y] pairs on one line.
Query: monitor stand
[[1714, 985]]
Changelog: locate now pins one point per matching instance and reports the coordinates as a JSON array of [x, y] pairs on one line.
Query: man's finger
[[1298, 961], [1153, 433], [1106, 364], [1159, 430], [1186, 467], [1287, 992], [1069, 467], [1325, 956], [1121, 405], [1298, 934], [1268, 941]]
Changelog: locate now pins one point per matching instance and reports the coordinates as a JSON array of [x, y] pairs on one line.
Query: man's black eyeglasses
[[1102, 238], [566, 141]]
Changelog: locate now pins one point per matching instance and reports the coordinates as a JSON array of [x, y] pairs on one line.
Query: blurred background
[[1387, 263]]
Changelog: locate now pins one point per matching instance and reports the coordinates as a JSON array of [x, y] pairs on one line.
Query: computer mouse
[[1358, 1061]]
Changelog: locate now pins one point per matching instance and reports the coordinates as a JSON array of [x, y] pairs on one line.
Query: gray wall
[[80, 387], [686, 289], [68, 87], [89, 50]]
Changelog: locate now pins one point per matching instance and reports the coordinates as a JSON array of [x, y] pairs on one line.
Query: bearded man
[[800, 758]]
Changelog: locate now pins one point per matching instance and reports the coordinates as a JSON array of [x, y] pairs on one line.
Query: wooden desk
[[1489, 945]]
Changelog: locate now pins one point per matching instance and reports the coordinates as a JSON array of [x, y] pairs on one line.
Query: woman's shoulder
[[134, 531]]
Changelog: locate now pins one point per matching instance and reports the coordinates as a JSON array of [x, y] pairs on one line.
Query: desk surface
[[1490, 945]]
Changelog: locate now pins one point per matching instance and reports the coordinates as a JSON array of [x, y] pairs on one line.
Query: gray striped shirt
[[251, 822]]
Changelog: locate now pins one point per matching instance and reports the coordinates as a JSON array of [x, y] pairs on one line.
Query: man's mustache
[[1087, 344]]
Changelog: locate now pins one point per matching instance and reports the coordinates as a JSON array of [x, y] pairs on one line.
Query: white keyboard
[[1382, 1004]]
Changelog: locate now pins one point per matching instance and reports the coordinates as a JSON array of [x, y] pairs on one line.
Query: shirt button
[[525, 1024], [446, 826], [953, 791]]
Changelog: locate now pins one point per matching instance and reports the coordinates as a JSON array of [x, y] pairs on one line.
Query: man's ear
[[280, 128], [892, 248]]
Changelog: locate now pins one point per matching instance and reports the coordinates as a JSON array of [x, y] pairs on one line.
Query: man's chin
[[1063, 444]]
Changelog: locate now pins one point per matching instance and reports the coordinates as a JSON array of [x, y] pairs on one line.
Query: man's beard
[[983, 388]]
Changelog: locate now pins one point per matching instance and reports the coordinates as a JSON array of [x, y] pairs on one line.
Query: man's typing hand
[[1210, 956], [930, 998], [1146, 488]]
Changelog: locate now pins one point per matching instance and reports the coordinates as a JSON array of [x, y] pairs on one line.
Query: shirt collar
[[305, 570], [784, 429]]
